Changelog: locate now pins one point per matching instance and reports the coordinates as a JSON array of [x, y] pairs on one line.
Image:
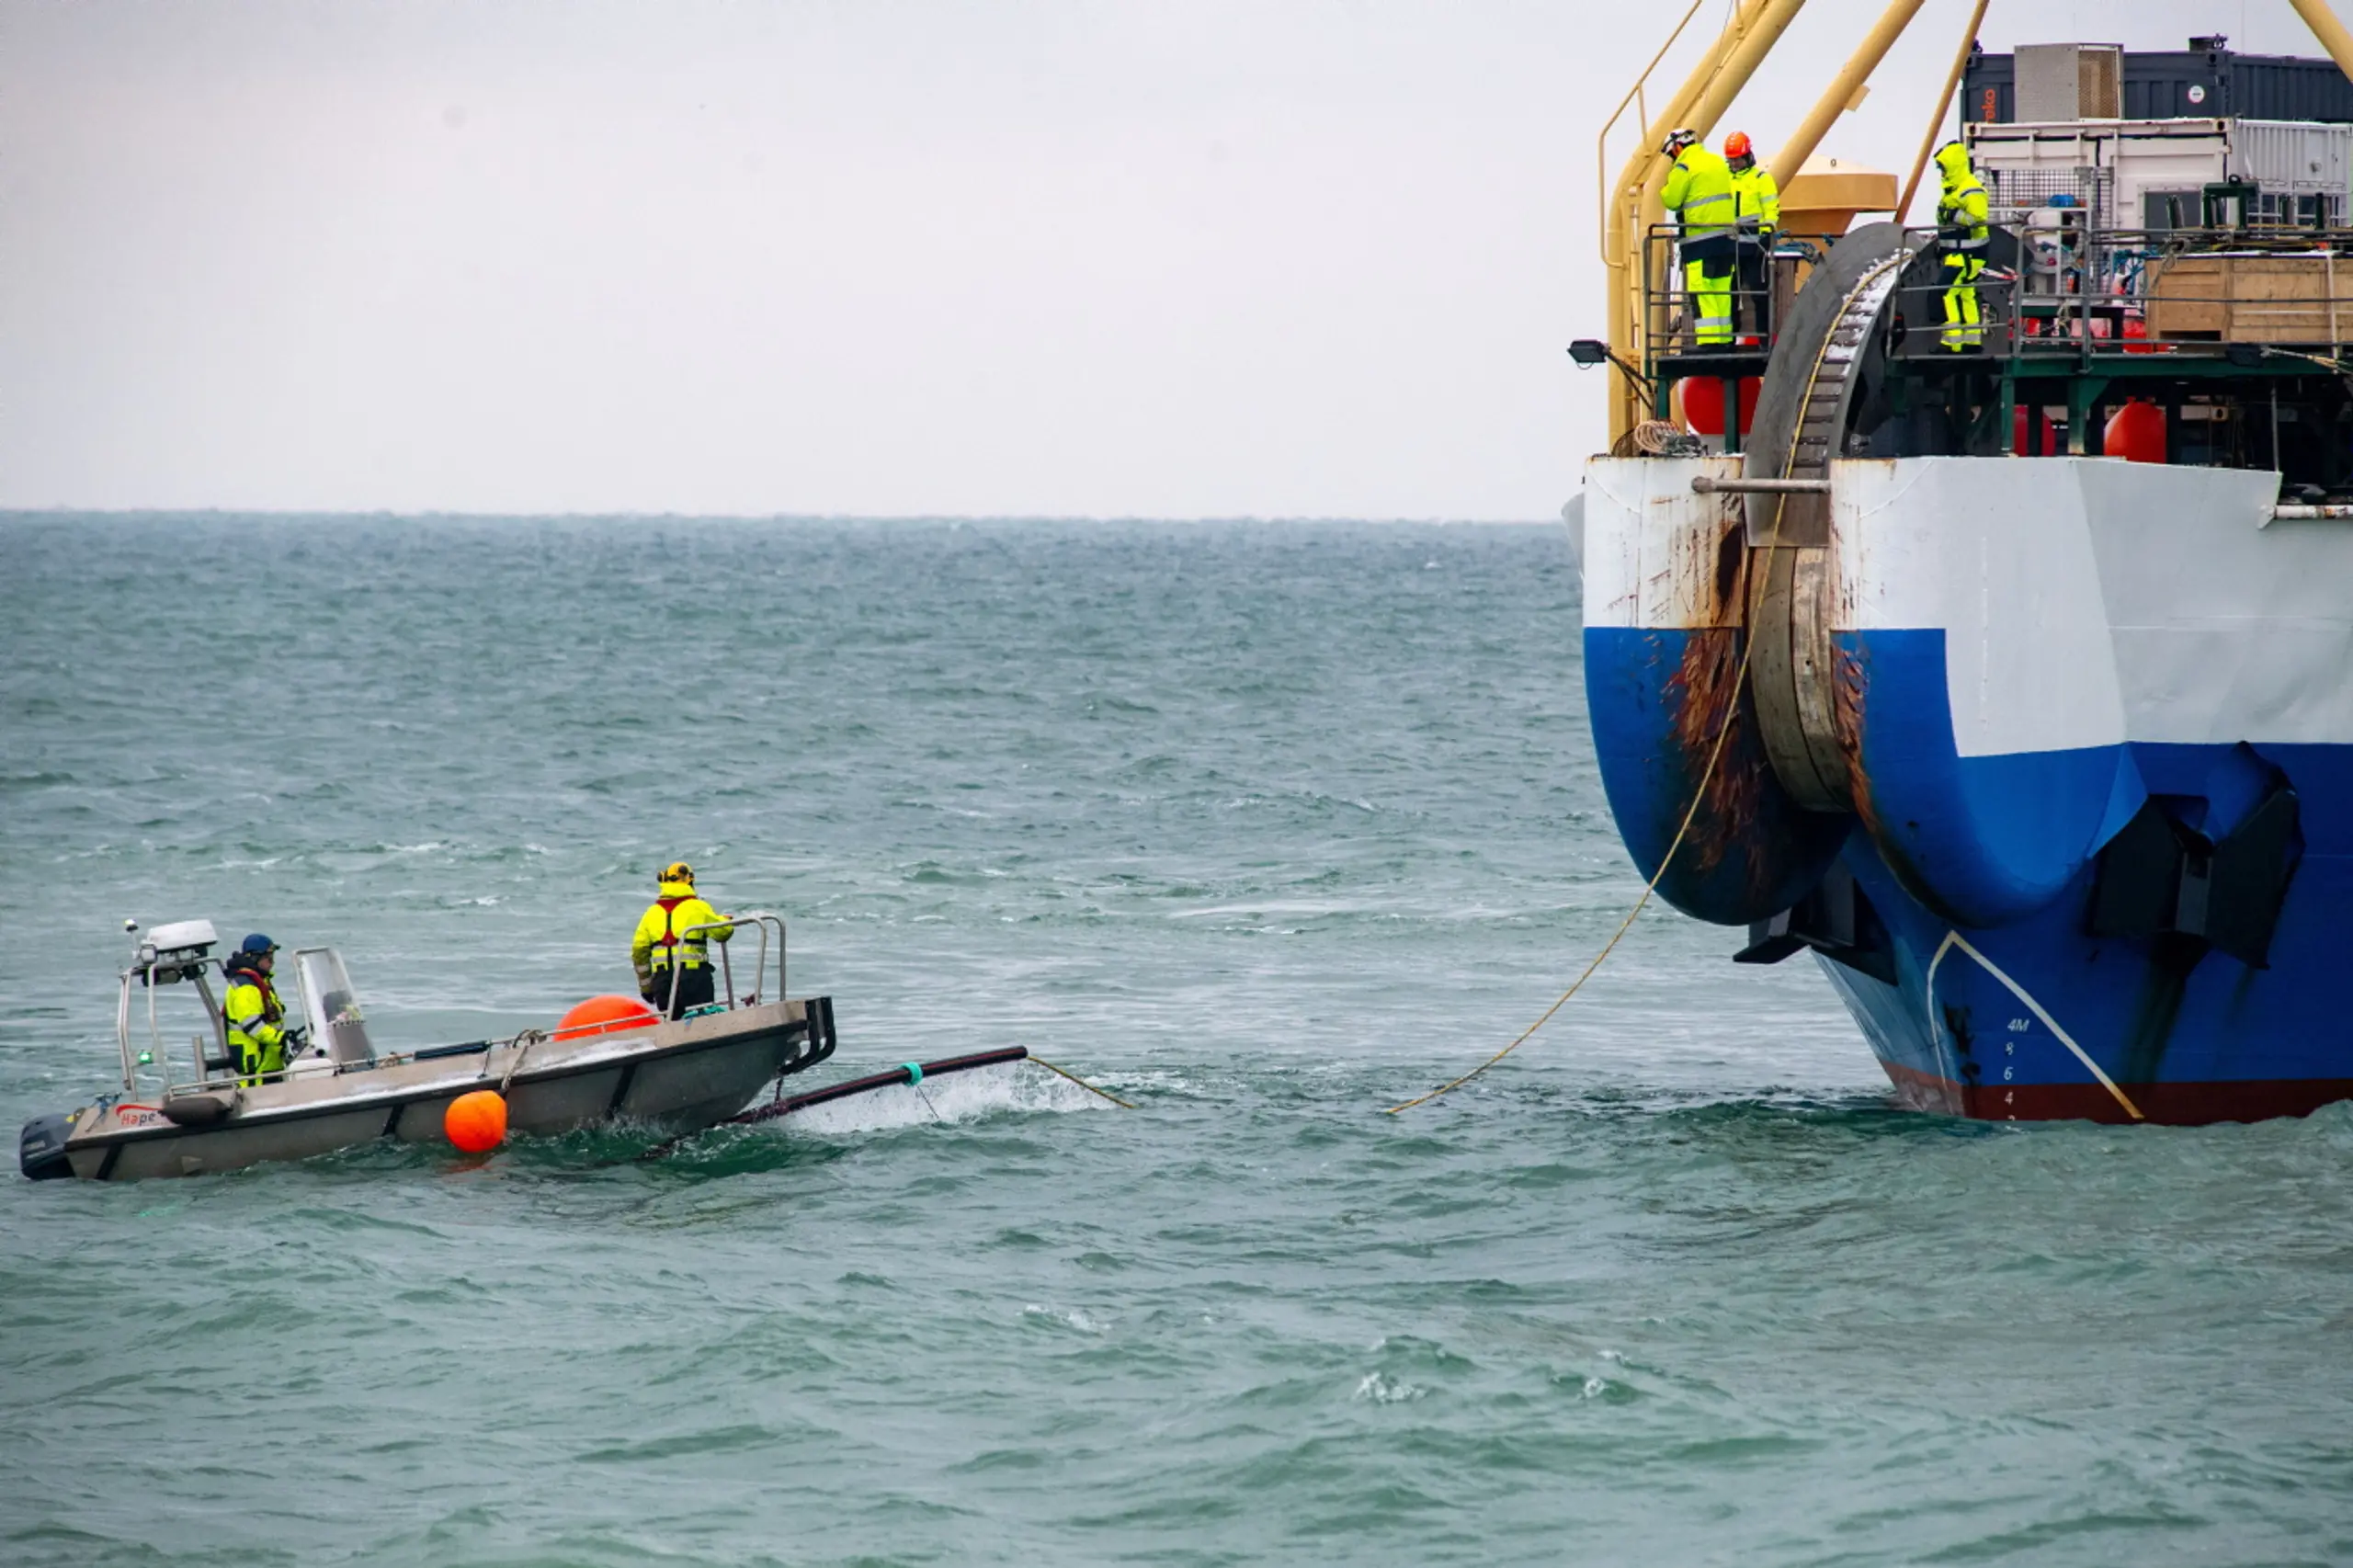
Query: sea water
[[1264, 827]]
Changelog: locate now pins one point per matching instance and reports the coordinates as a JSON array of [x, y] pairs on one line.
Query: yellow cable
[[1715, 752], [1624, 925], [1082, 1083]]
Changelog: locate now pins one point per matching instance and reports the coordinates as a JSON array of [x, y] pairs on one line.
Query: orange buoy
[[476, 1122], [603, 1015], [2136, 433]]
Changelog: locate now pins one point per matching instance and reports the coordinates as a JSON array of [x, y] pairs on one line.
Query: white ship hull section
[[2087, 600]]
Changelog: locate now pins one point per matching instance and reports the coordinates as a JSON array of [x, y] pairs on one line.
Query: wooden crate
[[2302, 298]]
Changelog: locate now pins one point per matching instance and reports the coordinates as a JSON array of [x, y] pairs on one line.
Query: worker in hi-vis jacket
[[1963, 231], [1756, 215], [1699, 192], [673, 958], [252, 1014]]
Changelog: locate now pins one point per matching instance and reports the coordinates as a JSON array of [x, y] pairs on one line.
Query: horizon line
[[11, 513]]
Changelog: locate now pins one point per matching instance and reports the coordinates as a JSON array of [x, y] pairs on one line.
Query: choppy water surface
[[1264, 827]]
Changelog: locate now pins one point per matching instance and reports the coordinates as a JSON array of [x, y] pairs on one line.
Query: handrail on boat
[[760, 919]]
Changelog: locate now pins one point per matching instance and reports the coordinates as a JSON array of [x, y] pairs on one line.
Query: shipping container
[[2185, 83], [2153, 173], [2294, 162]]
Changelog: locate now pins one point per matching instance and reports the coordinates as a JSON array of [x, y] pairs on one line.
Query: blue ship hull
[[2134, 928], [2037, 1018]]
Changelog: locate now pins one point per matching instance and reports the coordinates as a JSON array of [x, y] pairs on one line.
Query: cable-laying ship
[[2007, 667]]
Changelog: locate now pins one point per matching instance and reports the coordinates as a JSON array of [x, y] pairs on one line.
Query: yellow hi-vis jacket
[[662, 932], [1961, 209], [1698, 191], [1756, 200], [251, 1010]]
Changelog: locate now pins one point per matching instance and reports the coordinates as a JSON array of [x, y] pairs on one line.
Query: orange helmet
[[1736, 144]]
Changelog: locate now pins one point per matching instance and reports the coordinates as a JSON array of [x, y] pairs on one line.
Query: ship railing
[[1679, 344], [1766, 270], [2052, 289], [2053, 285]]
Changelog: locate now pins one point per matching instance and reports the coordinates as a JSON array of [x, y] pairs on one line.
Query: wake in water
[[967, 1096], [924, 1080], [821, 1132]]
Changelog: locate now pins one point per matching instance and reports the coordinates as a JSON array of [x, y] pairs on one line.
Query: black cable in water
[[908, 1073]]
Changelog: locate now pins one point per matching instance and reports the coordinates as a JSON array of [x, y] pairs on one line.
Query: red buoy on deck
[[605, 1015], [1703, 403], [2136, 433]]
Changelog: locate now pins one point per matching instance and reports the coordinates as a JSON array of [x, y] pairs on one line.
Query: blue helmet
[[256, 946]]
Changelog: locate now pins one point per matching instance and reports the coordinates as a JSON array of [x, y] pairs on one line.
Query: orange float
[[605, 1015], [2136, 433], [476, 1122]]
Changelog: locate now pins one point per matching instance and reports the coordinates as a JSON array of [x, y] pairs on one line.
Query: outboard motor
[[40, 1148]]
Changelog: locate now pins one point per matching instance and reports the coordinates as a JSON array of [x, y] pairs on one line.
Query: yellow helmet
[[1952, 160], [679, 871]]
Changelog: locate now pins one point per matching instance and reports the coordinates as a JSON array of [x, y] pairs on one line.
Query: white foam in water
[[1075, 1317], [1381, 1391], [959, 1097]]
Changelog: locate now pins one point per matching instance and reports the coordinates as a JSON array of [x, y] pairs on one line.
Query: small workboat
[[610, 1057]]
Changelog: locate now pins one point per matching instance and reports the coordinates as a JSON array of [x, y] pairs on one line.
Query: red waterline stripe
[[2175, 1105]]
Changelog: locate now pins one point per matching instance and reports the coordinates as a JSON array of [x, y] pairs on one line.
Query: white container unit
[[2297, 156], [2152, 174]]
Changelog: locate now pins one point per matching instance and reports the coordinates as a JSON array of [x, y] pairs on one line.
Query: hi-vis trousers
[[1964, 330], [1708, 285]]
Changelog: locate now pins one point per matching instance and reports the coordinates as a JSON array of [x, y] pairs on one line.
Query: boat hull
[[2096, 729], [675, 1076]]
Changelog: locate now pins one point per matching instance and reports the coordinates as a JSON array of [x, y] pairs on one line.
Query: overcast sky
[[1273, 258]]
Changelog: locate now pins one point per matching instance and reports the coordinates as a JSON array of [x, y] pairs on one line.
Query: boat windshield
[[332, 1009]]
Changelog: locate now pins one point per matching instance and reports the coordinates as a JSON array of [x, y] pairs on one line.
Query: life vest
[[272, 1009], [698, 947]]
